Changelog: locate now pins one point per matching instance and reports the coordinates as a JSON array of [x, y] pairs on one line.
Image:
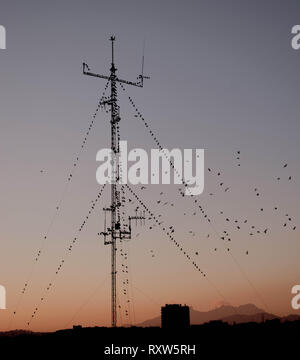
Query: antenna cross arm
[[138, 84], [130, 82], [86, 71]]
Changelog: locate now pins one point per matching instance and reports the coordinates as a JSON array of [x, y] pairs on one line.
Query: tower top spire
[[112, 39]]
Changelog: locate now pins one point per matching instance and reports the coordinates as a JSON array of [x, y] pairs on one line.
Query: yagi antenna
[[143, 58], [142, 77]]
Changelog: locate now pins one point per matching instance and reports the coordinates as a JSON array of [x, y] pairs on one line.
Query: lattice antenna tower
[[116, 231]]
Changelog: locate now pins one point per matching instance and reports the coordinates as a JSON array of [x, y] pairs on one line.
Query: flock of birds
[[169, 231], [237, 224], [289, 176], [155, 219], [125, 282], [67, 253], [57, 207]]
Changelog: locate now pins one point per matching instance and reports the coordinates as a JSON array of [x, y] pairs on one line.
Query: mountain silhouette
[[242, 313], [291, 317], [242, 318]]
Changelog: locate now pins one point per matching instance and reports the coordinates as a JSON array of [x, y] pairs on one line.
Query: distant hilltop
[[227, 313]]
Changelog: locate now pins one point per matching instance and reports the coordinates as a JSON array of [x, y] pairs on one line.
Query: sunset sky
[[224, 78]]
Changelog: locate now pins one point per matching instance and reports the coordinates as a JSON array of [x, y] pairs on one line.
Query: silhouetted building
[[77, 327], [175, 316]]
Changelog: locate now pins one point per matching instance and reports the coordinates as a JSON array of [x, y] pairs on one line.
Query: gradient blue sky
[[223, 77]]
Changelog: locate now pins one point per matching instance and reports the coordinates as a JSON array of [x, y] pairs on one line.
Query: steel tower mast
[[117, 230]]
